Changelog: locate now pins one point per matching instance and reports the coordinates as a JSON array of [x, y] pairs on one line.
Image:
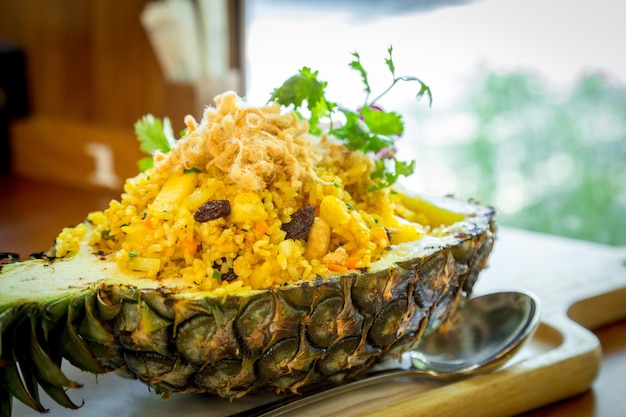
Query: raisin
[[229, 276], [211, 210], [300, 224]]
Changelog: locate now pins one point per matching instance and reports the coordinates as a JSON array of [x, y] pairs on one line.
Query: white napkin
[[191, 42], [214, 24]]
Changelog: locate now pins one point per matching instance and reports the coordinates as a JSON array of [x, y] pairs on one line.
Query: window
[[529, 109]]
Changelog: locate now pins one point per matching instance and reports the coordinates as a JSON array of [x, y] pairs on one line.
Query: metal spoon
[[483, 335]]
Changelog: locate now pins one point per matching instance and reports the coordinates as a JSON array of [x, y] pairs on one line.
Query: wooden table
[[605, 398], [31, 214]]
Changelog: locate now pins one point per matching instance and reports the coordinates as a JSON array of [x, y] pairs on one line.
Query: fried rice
[[264, 165]]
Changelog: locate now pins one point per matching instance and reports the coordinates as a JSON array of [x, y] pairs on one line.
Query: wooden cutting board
[[581, 286]]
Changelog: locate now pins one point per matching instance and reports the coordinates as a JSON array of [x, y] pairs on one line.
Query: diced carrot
[[147, 221], [189, 246], [380, 236], [352, 262], [337, 268], [262, 227], [247, 236]]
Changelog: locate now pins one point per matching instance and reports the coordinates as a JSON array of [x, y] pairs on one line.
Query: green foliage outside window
[[552, 161]]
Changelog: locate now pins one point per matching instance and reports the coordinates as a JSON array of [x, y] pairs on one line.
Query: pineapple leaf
[[57, 393], [11, 381], [46, 368], [6, 403], [19, 382], [73, 347], [90, 327]]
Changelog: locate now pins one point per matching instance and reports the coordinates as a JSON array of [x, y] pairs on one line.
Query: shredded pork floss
[[253, 146]]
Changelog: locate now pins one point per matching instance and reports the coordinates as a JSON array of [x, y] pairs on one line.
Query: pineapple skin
[[283, 338]]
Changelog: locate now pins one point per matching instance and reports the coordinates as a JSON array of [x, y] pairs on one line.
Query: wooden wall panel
[[91, 68], [72, 153], [92, 61]]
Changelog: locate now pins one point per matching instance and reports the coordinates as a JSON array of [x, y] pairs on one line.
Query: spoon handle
[[323, 391]]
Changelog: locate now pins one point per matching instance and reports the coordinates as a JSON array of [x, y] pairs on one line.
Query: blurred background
[[529, 97]]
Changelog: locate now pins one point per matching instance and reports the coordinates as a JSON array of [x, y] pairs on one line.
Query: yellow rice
[[266, 164]]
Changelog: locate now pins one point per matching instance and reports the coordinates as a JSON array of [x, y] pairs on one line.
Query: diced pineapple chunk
[[150, 266], [404, 231], [135, 233], [201, 195], [437, 216], [172, 194], [334, 211], [380, 237], [287, 248], [359, 229], [247, 207], [261, 277]]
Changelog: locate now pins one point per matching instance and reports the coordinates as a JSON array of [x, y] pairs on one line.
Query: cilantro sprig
[[369, 128], [153, 135], [302, 89]]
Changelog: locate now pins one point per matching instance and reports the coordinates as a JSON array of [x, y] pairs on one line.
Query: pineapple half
[[111, 309], [86, 310]]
